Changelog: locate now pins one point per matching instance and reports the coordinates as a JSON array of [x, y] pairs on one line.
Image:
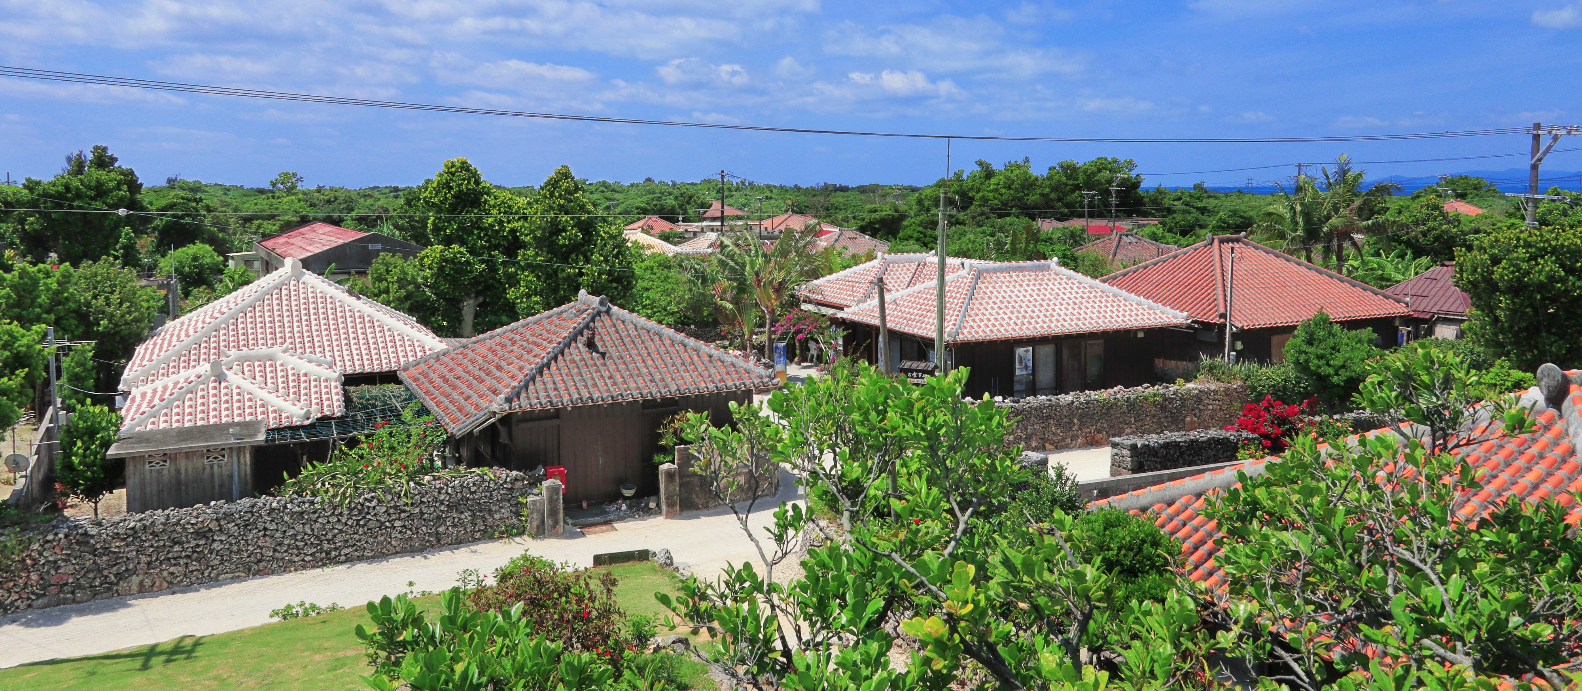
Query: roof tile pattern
[[714, 210], [653, 224], [1542, 464], [1456, 206], [582, 353], [1126, 248], [1270, 288], [294, 391], [990, 302], [854, 286], [649, 243], [850, 242], [309, 240], [288, 308], [1433, 292]]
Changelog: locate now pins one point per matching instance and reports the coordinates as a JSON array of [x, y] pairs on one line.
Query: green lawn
[[317, 653]]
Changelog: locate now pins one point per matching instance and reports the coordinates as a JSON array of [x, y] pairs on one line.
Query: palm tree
[[1328, 215], [766, 275]]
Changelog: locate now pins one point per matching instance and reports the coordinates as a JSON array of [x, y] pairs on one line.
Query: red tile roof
[[654, 225], [1528, 467], [649, 243], [309, 240], [582, 353], [789, 221], [1271, 288], [1456, 206], [850, 242], [714, 210], [1433, 293], [854, 286], [290, 324], [991, 302], [1127, 248]]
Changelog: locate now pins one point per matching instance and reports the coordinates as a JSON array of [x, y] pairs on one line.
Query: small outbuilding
[[584, 386], [319, 246], [1439, 308]]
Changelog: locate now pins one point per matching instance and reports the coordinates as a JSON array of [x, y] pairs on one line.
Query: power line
[[128, 82], [1365, 163]]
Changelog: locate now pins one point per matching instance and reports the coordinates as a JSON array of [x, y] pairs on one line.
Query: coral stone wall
[[1147, 453], [1092, 418], [77, 560]]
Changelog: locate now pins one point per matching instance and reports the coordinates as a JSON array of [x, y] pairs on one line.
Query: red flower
[[916, 521]]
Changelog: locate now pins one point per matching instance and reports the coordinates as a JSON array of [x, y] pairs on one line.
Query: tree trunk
[[469, 309], [769, 341]]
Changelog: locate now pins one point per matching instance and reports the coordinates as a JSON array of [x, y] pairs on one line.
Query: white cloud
[[1353, 122], [789, 68], [952, 45], [1124, 104], [1246, 8], [909, 83], [695, 71], [1251, 116], [1567, 17]]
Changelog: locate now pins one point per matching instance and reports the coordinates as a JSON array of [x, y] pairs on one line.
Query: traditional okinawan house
[[652, 225], [1025, 328], [849, 242], [583, 386], [224, 401], [1126, 248], [320, 246], [1266, 293], [648, 243], [1439, 308]]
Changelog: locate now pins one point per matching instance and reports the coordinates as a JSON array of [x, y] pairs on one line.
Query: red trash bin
[[556, 472]]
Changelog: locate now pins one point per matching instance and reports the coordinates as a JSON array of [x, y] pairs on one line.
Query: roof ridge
[[1119, 292], [1138, 267], [1313, 267], [602, 306]]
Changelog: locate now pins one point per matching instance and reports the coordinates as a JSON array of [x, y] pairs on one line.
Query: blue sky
[[1198, 68]]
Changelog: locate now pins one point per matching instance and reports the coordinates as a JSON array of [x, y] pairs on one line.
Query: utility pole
[[722, 205], [1539, 151], [54, 397], [761, 219], [939, 282], [884, 329], [1230, 297], [1086, 197], [1113, 190]]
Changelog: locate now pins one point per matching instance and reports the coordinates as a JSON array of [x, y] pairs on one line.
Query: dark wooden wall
[[187, 478], [601, 446]]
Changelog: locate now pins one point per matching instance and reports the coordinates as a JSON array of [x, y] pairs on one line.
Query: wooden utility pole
[[884, 329], [1539, 151], [1230, 297], [939, 287], [722, 205]]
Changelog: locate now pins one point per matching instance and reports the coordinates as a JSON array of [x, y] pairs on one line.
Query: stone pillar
[[533, 513], [554, 519], [670, 490]]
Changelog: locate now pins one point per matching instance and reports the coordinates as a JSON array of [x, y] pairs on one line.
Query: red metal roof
[[714, 210], [1456, 206], [1270, 288], [582, 353], [990, 302], [1433, 293], [309, 240], [653, 225], [1529, 467], [854, 286], [1127, 248]]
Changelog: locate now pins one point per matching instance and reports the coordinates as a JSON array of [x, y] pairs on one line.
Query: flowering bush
[[1274, 422], [392, 456], [575, 608], [801, 329]]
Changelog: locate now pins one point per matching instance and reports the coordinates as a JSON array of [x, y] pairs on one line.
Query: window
[[216, 456], [156, 462], [1095, 364]]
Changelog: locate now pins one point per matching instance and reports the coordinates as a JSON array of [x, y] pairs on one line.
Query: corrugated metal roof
[[1433, 292], [309, 240]]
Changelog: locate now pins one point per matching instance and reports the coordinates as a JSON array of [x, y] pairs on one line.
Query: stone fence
[[1091, 418], [683, 490], [77, 560], [1146, 453]]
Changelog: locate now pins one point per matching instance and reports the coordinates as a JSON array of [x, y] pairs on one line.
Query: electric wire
[[212, 90]]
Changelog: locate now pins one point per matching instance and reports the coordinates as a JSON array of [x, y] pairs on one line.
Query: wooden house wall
[[187, 478], [601, 446]]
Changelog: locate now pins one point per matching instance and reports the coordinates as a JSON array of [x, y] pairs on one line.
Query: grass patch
[[317, 653], [312, 654]]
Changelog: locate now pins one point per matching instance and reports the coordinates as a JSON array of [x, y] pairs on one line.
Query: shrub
[[196, 265], [1279, 380], [83, 471], [393, 456], [1274, 422], [302, 609], [1045, 493], [1332, 358], [574, 609], [1135, 551], [468, 649], [641, 629]]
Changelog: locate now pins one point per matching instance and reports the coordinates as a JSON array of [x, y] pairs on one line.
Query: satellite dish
[[16, 462]]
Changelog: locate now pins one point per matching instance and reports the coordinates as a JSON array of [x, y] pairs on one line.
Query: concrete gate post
[[554, 518], [534, 513], [670, 490]]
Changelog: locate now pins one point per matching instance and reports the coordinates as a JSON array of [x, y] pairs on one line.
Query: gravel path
[[703, 543]]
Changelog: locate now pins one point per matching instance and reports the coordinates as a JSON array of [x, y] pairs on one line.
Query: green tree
[[768, 276], [48, 295], [119, 312], [568, 246], [89, 182], [1524, 284], [1328, 213], [474, 234], [1331, 357], [397, 282], [23, 363], [666, 293], [78, 377], [286, 182], [196, 265], [82, 468]]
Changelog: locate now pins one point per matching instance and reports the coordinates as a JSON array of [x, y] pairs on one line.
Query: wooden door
[[535, 442]]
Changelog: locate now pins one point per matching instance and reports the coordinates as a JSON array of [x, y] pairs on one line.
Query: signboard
[[780, 362], [1024, 372]]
